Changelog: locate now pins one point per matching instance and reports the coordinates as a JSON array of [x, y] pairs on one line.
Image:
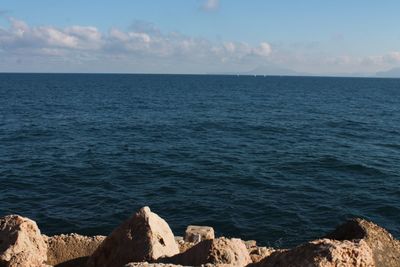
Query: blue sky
[[199, 36]]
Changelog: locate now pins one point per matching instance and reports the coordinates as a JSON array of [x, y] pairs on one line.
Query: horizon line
[[204, 74]]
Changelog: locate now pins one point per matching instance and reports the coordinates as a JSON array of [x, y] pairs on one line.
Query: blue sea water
[[281, 160]]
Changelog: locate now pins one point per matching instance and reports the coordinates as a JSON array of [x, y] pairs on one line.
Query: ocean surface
[[281, 160]]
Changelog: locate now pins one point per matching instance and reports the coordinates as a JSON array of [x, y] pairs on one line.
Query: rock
[[178, 238], [322, 253], [195, 234], [385, 249], [143, 237], [146, 264], [250, 244], [21, 262], [183, 246], [221, 251], [21, 243], [259, 253], [71, 250]]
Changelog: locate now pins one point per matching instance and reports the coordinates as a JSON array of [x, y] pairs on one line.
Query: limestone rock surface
[[143, 237], [21, 244], [322, 253], [71, 250], [385, 249], [183, 245], [195, 234], [221, 252], [259, 253], [146, 264]]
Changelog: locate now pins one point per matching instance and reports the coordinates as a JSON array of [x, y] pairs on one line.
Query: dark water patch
[[278, 159]]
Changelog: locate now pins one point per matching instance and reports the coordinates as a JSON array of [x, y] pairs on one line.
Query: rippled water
[[278, 159]]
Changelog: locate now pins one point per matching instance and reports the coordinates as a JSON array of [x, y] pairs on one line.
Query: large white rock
[[143, 237], [21, 244]]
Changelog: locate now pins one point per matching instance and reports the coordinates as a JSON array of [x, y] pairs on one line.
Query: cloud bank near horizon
[[133, 47], [145, 48]]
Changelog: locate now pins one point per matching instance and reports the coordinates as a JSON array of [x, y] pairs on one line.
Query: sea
[[280, 160]]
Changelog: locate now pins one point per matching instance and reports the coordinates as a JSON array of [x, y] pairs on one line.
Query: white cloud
[[20, 35], [87, 36], [230, 47], [54, 37], [392, 57], [143, 42], [210, 5], [264, 49], [340, 60], [145, 48], [385, 60]]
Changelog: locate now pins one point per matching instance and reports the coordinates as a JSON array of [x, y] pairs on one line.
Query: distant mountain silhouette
[[268, 70], [392, 73], [273, 70], [276, 70]]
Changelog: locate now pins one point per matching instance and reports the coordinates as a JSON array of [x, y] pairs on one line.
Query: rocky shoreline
[[146, 240]]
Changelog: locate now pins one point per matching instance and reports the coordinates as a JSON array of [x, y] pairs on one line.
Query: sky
[[320, 37]]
